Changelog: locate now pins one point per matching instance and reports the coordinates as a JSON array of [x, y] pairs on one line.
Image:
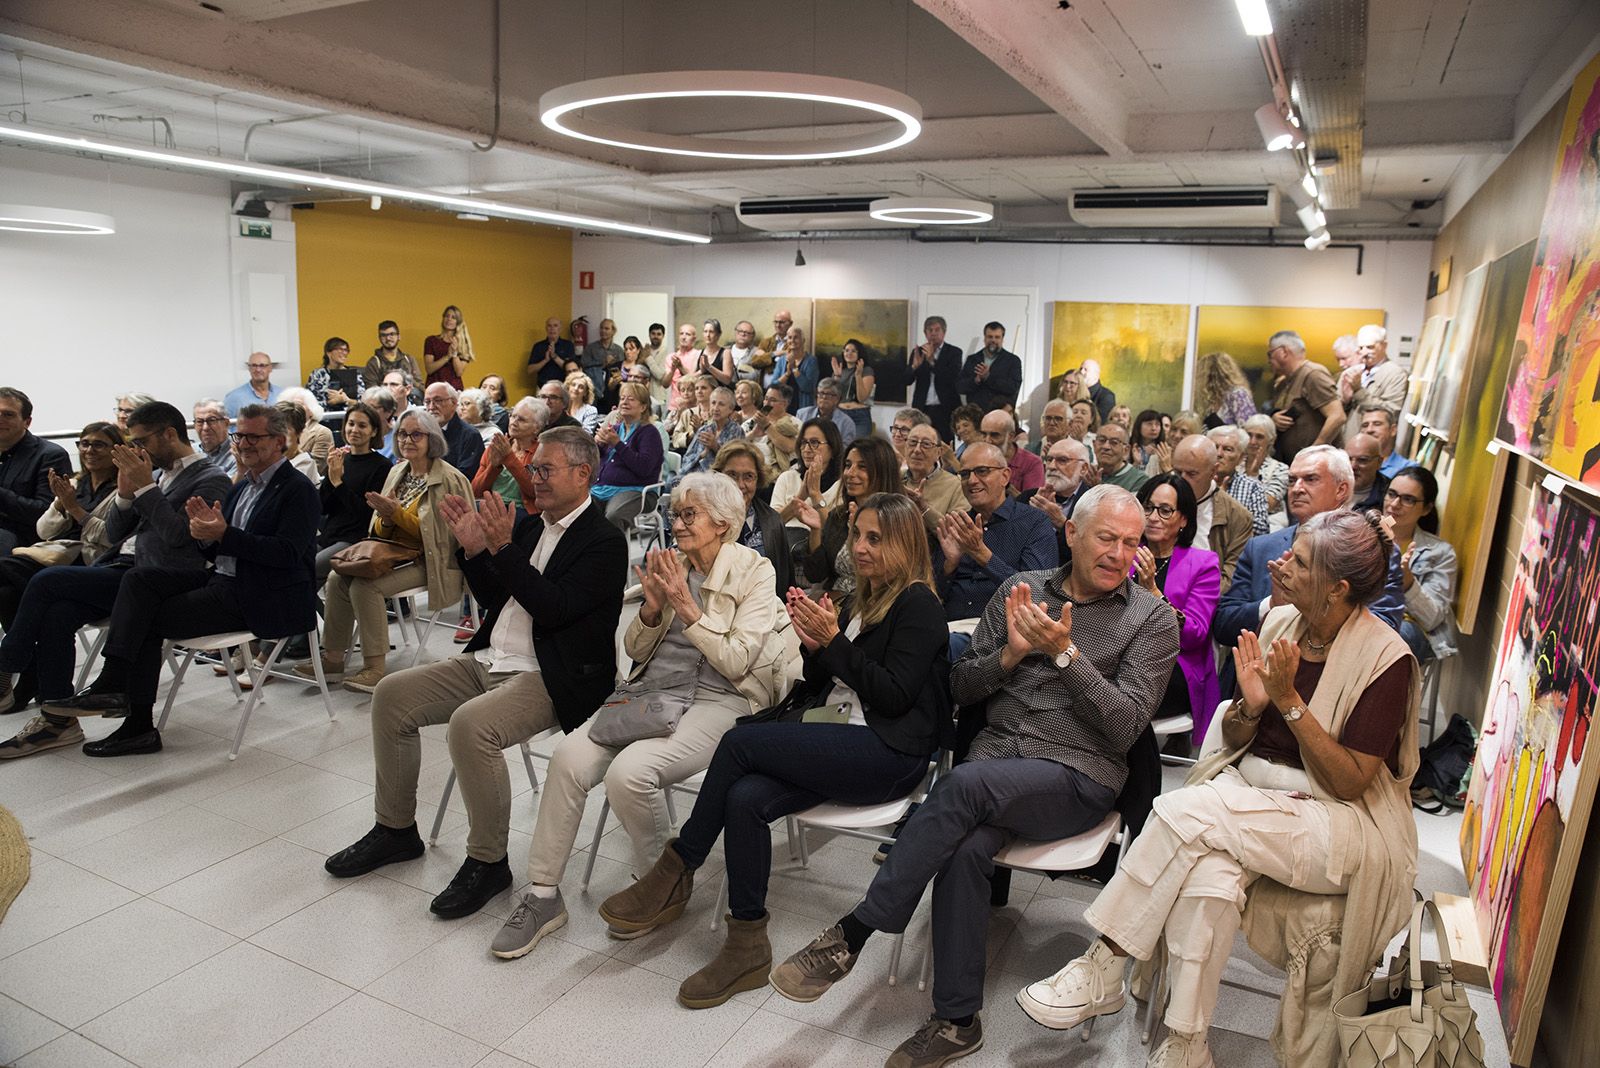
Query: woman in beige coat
[[713, 630], [407, 511]]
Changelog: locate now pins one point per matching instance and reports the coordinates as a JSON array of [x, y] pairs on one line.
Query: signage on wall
[[585, 279], [255, 228]]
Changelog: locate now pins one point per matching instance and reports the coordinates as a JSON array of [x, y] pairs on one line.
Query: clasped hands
[[206, 521], [961, 535], [134, 469], [488, 526], [1030, 630], [665, 582], [1266, 676], [816, 622]]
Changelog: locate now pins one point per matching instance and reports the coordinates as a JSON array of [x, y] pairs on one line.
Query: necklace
[[1314, 645]]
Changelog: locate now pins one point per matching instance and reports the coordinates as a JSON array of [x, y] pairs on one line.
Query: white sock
[[545, 892]]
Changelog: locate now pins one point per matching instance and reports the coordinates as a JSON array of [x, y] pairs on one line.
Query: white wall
[[1394, 275], [151, 307]]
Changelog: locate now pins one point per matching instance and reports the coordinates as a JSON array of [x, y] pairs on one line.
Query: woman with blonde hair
[[879, 673], [448, 352], [580, 400], [1222, 391], [631, 450]]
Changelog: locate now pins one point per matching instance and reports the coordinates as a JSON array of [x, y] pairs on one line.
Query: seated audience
[[302, 461], [407, 510], [25, 473], [580, 400], [1221, 523], [1066, 693], [1067, 475], [1304, 786], [747, 404], [964, 427], [1189, 579], [711, 635], [257, 390], [388, 357], [1427, 563], [381, 401], [1231, 442], [1221, 391], [1382, 421], [262, 541], [314, 438], [1365, 458], [1025, 471], [979, 547], [631, 451], [761, 528], [815, 480], [355, 472], [1145, 440], [856, 383], [931, 488], [721, 428], [211, 432], [507, 457], [1052, 426], [554, 395], [464, 445], [1121, 413], [126, 404], [1083, 421], [499, 401], [551, 586], [336, 384], [1261, 465], [869, 467], [688, 420], [827, 407], [1111, 455], [883, 660], [474, 407], [780, 447]]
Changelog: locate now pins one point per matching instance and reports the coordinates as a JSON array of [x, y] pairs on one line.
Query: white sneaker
[[1091, 985], [1182, 1051]]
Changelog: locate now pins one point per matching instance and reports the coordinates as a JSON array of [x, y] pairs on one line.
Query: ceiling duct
[[811, 214], [1323, 45], [1189, 207]]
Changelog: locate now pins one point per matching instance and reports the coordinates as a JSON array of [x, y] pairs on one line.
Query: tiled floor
[[178, 915]]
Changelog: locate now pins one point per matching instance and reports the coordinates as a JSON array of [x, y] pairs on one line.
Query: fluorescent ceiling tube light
[[29, 219], [1319, 240], [1276, 131], [290, 176], [931, 211], [1312, 219], [1253, 13]]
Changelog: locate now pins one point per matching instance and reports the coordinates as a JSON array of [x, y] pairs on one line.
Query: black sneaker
[[40, 734], [381, 845], [937, 1043], [476, 884]]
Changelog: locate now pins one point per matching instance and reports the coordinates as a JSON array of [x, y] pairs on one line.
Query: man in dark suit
[[992, 377], [262, 541], [25, 463], [549, 359], [545, 656], [466, 444], [936, 375]]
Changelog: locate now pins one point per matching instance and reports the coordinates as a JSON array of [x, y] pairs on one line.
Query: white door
[[966, 309], [633, 309]]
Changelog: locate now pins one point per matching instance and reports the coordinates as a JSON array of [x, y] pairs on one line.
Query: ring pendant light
[[558, 110], [30, 219], [931, 211]]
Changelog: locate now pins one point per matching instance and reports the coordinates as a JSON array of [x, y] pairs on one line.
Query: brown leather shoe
[[743, 964], [657, 898]]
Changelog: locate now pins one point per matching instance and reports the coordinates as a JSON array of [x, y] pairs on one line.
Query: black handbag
[[801, 697]]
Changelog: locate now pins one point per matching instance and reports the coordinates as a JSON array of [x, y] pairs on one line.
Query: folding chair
[[221, 644], [690, 786], [450, 781], [419, 627]]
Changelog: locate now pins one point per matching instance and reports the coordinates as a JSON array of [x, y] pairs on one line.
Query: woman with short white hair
[[315, 438], [713, 640], [1261, 465]]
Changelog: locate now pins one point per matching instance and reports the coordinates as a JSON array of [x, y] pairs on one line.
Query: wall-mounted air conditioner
[[812, 214], [1193, 207]]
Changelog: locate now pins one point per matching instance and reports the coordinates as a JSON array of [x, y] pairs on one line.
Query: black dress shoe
[[89, 704], [381, 845], [113, 746], [474, 886]]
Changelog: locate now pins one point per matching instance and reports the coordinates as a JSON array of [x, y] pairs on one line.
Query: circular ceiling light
[[558, 107], [931, 211], [30, 219]]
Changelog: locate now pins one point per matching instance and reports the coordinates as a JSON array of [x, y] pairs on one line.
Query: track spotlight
[[799, 258], [1319, 240], [1277, 131], [1312, 219]]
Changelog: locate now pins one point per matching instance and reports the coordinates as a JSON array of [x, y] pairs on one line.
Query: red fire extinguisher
[[580, 331]]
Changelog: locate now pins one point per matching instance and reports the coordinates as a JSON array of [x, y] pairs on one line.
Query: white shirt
[[1202, 519], [510, 645], [933, 390]]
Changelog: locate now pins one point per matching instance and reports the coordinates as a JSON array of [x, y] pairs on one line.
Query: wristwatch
[[1293, 712], [1066, 656]]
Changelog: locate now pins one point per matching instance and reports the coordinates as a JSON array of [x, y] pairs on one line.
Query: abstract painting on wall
[[1552, 405], [1423, 361], [1242, 332], [882, 326], [729, 310], [1472, 494], [1140, 348], [1438, 411], [1533, 778]]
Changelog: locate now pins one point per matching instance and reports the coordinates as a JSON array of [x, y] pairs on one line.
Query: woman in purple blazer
[[1190, 580], [630, 455]]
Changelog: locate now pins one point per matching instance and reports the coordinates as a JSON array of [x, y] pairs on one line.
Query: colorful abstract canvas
[[1423, 359], [1242, 332], [882, 326], [1438, 411], [1552, 405], [1140, 348], [1533, 779]]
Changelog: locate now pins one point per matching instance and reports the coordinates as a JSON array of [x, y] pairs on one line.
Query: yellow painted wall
[[356, 267]]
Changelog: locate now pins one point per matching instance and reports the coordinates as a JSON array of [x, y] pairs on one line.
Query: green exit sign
[[255, 228]]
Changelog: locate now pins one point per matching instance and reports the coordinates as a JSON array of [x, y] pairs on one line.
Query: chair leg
[[894, 958], [926, 972], [315, 645], [791, 827], [172, 691], [233, 677], [258, 683], [722, 902], [423, 631], [444, 803], [89, 658], [527, 764], [594, 845], [805, 854]]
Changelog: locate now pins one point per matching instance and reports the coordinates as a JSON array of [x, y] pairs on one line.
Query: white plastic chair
[[91, 651], [419, 627], [221, 644], [527, 763], [690, 786], [1166, 728]]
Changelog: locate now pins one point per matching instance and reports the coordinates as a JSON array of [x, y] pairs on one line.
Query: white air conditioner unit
[[1193, 207], [812, 214]]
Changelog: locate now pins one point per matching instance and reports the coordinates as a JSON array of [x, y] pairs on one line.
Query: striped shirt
[[1253, 495], [1088, 716]]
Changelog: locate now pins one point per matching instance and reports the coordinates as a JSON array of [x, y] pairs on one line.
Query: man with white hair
[[1052, 426], [211, 428], [466, 444], [1221, 522], [1067, 468], [1230, 443], [1379, 380], [1305, 400]]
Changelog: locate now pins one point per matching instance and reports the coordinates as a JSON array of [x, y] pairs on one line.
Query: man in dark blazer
[[936, 375], [25, 463], [545, 656], [262, 544], [992, 377]]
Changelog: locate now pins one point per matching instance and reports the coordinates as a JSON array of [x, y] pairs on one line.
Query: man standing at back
[[25, 465], [1383, 422], [549, 359], [1380, 380], [935, 376], [1305, 402], [388, 357], [258, 390], [992, 377]]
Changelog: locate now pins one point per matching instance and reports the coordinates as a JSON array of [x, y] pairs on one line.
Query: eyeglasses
[[542, 472], [404, 435], [1101, 439], [124, 411], [242, 439], [919, 444], [1065, 461], [1404, 498], [390, 333], [1165, 511], [980, 472], [210, 419], [86, 445], [687, 516], [811, 443], [899, 431]]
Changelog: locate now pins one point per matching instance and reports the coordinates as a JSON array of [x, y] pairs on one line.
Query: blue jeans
[[56, 602], [1418, 641], [763, 771]]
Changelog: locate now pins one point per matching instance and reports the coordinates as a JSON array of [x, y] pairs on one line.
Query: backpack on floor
[[1441, 779]]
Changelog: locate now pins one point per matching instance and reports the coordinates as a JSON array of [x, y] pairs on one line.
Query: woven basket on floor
[[13, 860]]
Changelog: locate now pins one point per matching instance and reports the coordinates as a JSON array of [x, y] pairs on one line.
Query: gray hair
[[449, 390], [1100, 498], [1288, 339], [1240, 438], [379, 398], [479, 399], [424, 419], [1336, 463], [1079, 450], [718, 495], [305, 399], [277, 421], [916, 416], [1350, 546], [534, 408], [139, 400], [205, 404], [1377, 334], [828, 383], [1387, 409], [1345, 343], [1264, 424], [726, 392], [576, 445]]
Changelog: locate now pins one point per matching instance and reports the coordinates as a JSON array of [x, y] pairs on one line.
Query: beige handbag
[[1417, 1016], [51, 553]]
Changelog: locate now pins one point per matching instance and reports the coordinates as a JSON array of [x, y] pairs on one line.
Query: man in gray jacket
[[157, 473]]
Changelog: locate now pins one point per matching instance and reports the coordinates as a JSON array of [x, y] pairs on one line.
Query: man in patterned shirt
[[1069, 665]]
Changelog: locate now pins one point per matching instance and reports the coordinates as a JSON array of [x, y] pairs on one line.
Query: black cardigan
[[346, 515], [775, 545], [900, 669]]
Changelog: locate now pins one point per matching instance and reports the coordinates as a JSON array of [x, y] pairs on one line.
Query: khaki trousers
[[634, 776], [488, 712], [361, 602], [1186, 875]]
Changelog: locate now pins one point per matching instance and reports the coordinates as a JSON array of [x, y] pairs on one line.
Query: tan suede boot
[[657, 898], [743, 964]]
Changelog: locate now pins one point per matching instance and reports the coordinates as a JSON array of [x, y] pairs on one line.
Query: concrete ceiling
[[1023, 101]]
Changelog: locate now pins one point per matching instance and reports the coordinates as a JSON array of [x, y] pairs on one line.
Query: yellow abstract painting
[[1242, 333], [1140, 348]]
